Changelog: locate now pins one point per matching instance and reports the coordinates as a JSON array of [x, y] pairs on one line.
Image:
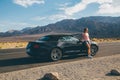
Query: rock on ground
[[50, 76]]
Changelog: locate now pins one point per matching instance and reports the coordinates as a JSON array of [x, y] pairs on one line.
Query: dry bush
[[106, 39], [6, 45]]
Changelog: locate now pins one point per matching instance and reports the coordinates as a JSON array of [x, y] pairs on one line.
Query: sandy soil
[[87, 69]]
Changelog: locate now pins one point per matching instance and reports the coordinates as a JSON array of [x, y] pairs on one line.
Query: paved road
[[17, 59]]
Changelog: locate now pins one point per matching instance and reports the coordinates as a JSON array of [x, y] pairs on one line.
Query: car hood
[[92, 42]]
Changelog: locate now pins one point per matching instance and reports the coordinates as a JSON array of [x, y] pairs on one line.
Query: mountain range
[[99, 27]]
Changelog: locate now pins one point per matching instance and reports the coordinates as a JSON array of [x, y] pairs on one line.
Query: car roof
[[59, 35], [55, 37]]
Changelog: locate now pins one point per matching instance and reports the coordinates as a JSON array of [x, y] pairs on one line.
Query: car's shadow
[[20, 61], [30, 60]]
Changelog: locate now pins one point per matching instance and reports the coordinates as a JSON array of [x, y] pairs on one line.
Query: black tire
[[56, 54], [94, 50]]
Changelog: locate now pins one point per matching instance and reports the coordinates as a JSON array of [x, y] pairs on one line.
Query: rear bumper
[[37, 52]]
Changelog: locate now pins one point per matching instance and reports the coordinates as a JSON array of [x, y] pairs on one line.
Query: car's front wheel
[[56, 54], [94, 49]]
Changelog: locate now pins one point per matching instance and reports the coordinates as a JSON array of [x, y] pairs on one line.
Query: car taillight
[[36, 46]]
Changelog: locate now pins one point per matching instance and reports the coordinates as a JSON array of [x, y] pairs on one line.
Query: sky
[[18, 14]]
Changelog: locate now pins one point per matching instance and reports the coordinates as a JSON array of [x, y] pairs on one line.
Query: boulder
[[50, 76], [115, 72]]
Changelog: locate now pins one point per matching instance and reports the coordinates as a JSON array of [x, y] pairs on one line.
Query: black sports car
[[56, 46]]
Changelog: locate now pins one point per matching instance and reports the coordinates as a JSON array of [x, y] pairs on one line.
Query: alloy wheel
[[56, 54]]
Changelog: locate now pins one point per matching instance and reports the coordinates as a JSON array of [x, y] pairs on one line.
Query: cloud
[[26, 3], [110, 8], [38, 18], [106, 7], [58, 17], [64, 4], [75, 9], [55, 17]]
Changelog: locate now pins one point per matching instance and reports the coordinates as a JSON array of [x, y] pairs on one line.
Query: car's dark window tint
[[53, 38], [49, 38], [45, 38]]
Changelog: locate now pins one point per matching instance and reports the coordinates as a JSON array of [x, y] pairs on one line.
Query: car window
[[48, 38], [68, 38], [44, 38], [78, 36]]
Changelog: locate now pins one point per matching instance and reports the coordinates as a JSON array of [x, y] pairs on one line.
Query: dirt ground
[[87, 69]]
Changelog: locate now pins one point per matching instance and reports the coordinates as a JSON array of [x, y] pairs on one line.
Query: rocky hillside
[[98, 27]]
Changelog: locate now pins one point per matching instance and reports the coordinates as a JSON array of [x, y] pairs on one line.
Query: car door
[[70, 44]]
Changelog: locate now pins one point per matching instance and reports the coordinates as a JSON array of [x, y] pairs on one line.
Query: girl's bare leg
[[89, 51]]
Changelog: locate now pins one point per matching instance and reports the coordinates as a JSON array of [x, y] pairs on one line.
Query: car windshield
[[68, 38]]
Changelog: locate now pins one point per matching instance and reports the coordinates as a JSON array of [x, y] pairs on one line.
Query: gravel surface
[[87, 69]]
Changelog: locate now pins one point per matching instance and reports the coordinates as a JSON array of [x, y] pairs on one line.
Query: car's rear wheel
[[56, 54], [94, 49]]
